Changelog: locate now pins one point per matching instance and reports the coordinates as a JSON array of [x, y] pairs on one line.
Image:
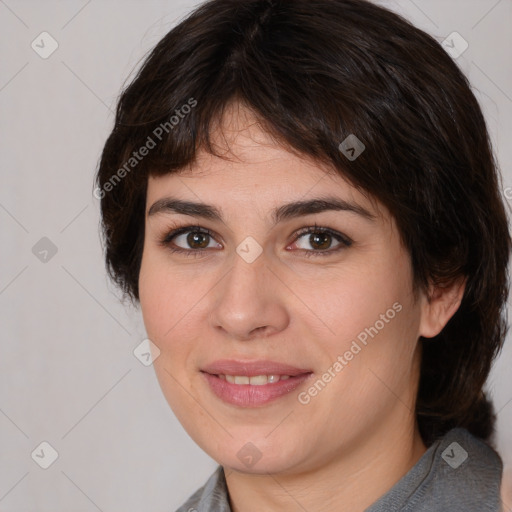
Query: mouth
[[252, 384], [257, 380]]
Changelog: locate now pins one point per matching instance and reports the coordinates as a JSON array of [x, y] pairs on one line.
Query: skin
[[358, 436]]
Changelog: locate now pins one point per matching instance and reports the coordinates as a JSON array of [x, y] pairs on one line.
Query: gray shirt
[[457, 473]]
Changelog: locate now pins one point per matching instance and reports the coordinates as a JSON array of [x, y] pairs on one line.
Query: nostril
[[259, 331]]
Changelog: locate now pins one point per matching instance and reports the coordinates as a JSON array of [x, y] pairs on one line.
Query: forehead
[[254, 170]]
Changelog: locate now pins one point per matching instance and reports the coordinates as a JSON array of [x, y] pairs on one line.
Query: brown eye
[[197, 239], [320, 240], [189, 240], [317, 241]]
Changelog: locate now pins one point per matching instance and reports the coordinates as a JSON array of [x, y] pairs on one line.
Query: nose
[[250, 301]]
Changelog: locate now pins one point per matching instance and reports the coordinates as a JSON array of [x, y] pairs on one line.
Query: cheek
[[167, 297], [167, 307], [373, 324], [151, 295], [351, 298]]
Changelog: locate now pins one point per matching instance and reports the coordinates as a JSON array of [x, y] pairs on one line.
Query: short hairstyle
[[315, 72]]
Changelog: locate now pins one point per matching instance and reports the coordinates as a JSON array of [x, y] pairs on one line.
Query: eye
[[194, 240], [321, 240], [189, 240]]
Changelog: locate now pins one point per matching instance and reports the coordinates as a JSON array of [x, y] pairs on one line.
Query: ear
[[440, 305]]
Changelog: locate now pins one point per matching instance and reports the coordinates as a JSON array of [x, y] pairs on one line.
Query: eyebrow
[[283, 212]]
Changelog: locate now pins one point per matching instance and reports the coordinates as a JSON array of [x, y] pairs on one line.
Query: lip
[[247, 395], [252, 368]]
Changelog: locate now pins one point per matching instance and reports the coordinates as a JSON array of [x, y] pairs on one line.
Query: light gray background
[[68, 373]]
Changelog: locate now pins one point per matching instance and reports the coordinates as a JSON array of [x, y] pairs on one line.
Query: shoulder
[[458, 473], [213, 496], [460, 449], [465, 475]]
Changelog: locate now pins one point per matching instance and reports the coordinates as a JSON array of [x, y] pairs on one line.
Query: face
[[319, 298]]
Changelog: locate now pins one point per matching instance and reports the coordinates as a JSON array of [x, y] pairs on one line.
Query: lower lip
[[247, 395]]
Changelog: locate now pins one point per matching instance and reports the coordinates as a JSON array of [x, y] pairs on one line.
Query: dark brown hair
[[315, 71]]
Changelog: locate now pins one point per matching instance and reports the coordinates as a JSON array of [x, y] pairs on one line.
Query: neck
[[351, 481]]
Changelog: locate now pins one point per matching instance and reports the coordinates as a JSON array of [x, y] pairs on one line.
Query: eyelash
[[315, 229]]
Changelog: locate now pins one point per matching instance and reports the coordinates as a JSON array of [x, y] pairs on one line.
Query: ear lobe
[[441, 304]]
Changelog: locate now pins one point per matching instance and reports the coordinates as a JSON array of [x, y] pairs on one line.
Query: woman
[[302, 197]]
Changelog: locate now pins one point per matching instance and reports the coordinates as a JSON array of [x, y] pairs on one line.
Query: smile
[[252, 383], [258, 380]]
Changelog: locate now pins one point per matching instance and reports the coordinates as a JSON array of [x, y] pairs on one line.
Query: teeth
[[258, 380]]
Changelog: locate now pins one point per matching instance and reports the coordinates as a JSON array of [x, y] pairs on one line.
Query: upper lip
[[252, 368]]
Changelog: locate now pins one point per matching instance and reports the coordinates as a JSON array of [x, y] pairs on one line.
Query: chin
[[258, 457]]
